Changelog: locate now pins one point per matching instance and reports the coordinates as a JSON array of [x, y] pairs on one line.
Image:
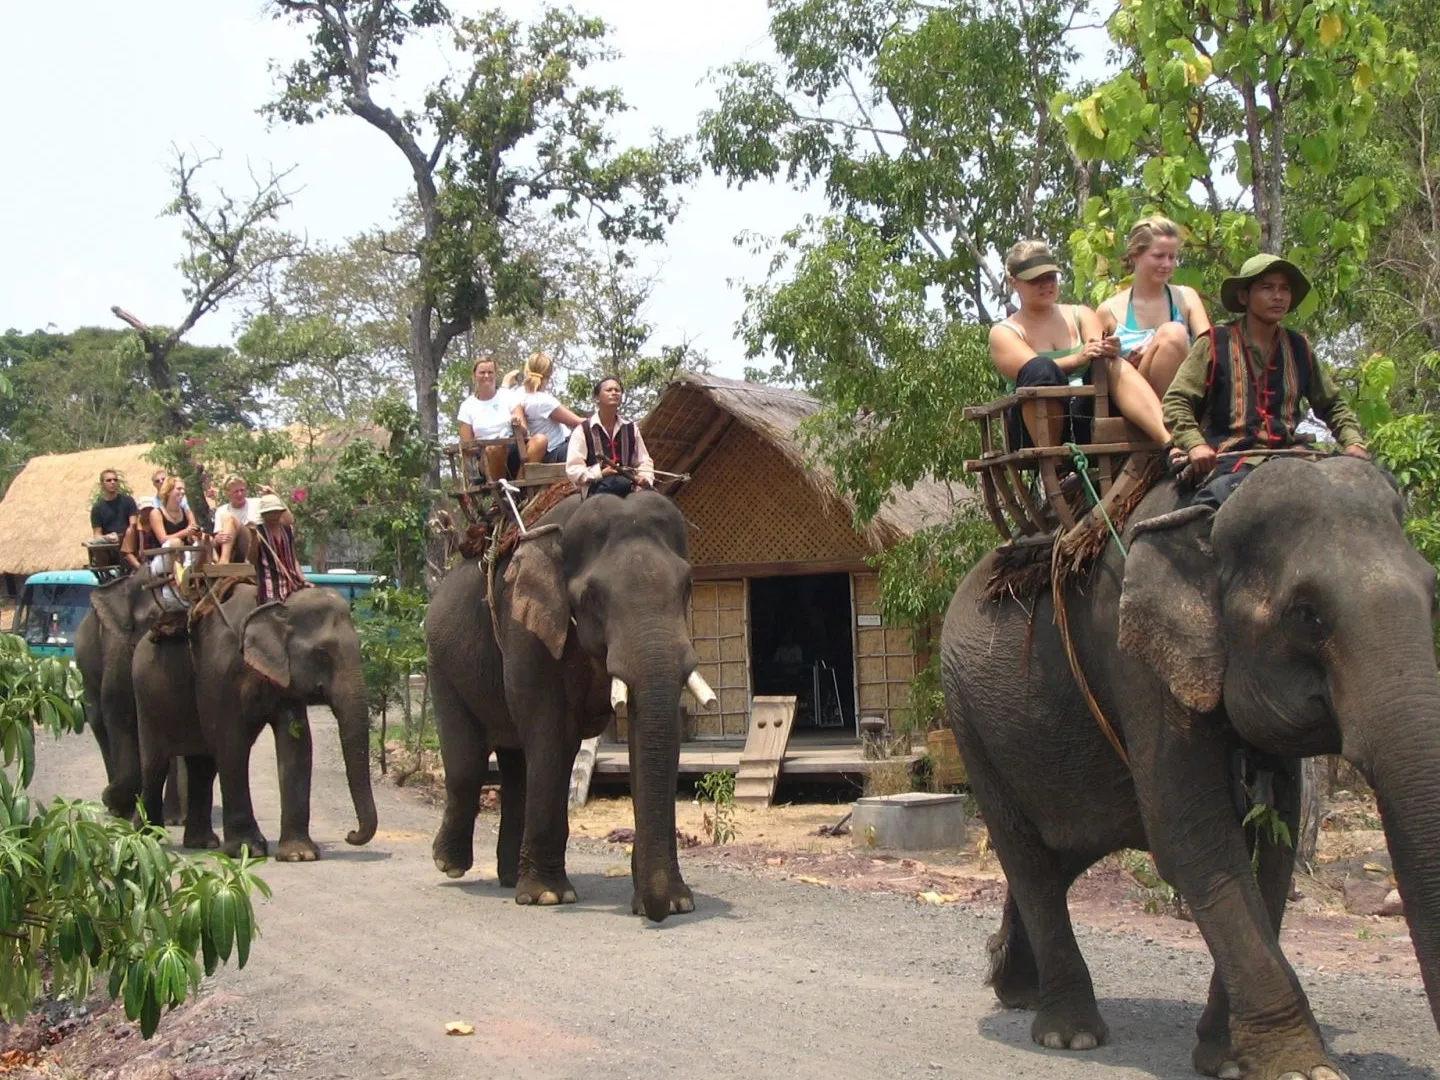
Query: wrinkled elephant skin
[[597, 598], [1294, 621]]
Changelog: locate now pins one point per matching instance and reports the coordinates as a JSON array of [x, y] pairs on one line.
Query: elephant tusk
[[700, 690], [619, 696]]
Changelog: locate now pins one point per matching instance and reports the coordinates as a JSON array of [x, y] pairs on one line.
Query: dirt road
[[366, 955]]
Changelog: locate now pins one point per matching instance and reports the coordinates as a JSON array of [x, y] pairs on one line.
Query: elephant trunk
[[654, 766], [1396, 744], [352, 717]]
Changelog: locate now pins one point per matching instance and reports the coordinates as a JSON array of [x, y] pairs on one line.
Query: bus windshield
[[51, 614]]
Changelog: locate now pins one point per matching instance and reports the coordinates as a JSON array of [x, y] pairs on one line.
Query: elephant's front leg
[[232, 738], [554, 739], [1214, 1055], [199, 800], [294, 759], [1183, 781]]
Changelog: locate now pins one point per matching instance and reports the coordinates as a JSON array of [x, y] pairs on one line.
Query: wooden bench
[[1115, 455]]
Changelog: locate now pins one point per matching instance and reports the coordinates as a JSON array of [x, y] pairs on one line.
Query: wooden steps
[[770, 721]]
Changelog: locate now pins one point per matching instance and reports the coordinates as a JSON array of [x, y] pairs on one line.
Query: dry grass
[[889, 776]]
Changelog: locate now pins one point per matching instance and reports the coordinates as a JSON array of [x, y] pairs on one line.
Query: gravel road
[[366, 955]]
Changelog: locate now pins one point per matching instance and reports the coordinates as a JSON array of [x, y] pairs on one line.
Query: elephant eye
[[1303, 614]]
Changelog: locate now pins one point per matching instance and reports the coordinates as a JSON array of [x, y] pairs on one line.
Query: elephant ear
[[1170, 606], [539, 600], [265, 642], [114, 606]]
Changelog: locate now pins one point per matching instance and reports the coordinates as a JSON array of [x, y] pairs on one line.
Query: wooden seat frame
[[470, 494], [1006, 472]]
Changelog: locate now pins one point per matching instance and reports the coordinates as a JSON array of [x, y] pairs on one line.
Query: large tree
[[515, 128], [230, 242]]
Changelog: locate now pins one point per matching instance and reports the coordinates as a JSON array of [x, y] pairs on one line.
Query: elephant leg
[[1013, 971], [1035, 960], [199, 801], [1188, 806], [232, 744], [123, 791], [512, 815], [547, 812], [466, 755], [154, 765], [173, 802], [1214, 1055], [294, 757]]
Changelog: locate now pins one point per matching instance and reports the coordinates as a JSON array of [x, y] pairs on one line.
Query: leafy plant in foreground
[[84, 896]]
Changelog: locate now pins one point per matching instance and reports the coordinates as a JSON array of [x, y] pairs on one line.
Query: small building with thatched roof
[[784, 600], [45, 515]]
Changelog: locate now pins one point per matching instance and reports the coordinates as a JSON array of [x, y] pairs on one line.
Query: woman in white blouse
[[545, 422]]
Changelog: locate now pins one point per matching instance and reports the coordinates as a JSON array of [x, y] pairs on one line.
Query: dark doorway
[[801, 644]]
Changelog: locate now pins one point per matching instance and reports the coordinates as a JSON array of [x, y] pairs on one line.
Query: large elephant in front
[[121, 613], [244, 667], [1227, 645], [591, 610]]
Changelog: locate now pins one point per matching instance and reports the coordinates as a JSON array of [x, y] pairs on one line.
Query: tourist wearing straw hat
[[1245, 384], [278, 571]]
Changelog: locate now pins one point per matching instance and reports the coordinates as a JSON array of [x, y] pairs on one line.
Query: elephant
[[590, 616], [245, 666], [121, 612], [1221, 649]]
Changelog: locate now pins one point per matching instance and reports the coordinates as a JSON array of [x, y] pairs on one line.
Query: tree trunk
[[1312, 812]]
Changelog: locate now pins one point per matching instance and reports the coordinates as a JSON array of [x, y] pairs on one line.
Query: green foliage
[[1407, 445], [391, 626], [84, 896], [387, 492], [1269, 827], [718, 789], [255, 455], [1220, 110]]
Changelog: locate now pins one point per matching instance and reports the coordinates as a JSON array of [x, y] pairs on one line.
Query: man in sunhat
[[278, 571], [1245, 384]]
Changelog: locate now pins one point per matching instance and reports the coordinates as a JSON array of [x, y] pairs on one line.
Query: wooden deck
[[812, 759]]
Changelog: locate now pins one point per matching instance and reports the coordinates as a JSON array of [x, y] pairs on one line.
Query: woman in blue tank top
[[1155, 321]]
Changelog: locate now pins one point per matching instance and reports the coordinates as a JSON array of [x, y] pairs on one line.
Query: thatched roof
[[695, 412], [45, 516]]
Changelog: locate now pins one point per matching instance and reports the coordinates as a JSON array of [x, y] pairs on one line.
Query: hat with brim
[[270, 504], [1255, 267], [1035, 266]]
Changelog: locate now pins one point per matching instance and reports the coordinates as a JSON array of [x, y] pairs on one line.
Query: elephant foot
[[257, 844], [535, 890], [201, 841], [677, 900], [1013, 974], [1281, 1068], [297, 849], [1069, 1027], [451, 858], [509, 877], [174, 817]]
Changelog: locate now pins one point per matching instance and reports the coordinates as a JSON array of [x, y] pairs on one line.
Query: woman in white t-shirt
[[545, 423], [485, 414]]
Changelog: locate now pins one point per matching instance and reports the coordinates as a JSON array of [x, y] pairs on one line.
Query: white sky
[[97, 91]]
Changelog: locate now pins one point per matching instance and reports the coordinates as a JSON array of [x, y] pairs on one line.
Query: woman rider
[[1155, 321], [1046, 343]]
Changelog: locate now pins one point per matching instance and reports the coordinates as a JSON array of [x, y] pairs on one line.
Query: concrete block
[[914, 821]]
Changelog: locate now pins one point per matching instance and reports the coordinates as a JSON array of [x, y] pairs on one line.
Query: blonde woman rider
[[1155, 321], [1047, 343], [544, 422]]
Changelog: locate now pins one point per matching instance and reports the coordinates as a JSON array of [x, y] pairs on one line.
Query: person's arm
[[1184, 402], [1193, 309], [130, 515], [561, 415], [157, 527], [96, 528], [1108, 319], [644, 465], [1330, 405], [575, 468], [1098, 344], [1008, 351]]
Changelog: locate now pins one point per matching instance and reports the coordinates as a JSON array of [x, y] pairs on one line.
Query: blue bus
[[51, 606], [54, 601]]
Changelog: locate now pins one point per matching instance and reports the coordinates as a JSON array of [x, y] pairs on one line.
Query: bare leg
[[1138, 402], [495, 466], [1163, 356], [535, 449]]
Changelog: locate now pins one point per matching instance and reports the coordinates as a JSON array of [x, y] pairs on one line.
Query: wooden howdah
[[1032, 493]]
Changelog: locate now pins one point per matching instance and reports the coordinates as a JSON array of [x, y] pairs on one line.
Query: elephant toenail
[[569, 897], [1053, 1041], [1325, 1073], [1293, 1076], [1229, 1071], [547, 897], [524, 898], [454, 872], [1083, 1041]]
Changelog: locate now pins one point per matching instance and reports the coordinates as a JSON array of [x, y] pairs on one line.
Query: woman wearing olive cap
[[1245, 383]]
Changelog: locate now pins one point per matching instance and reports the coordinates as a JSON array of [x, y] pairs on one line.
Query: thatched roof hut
[[785, 600], [45, 516]]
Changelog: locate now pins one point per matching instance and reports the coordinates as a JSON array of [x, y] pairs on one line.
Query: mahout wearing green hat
[[1257, 266]]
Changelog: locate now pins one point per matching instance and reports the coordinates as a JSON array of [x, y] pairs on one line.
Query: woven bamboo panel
[[884, 658], [752, 505], [720, 634]]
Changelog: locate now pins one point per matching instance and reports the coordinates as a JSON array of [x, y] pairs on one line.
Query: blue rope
[[1082, 466]]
